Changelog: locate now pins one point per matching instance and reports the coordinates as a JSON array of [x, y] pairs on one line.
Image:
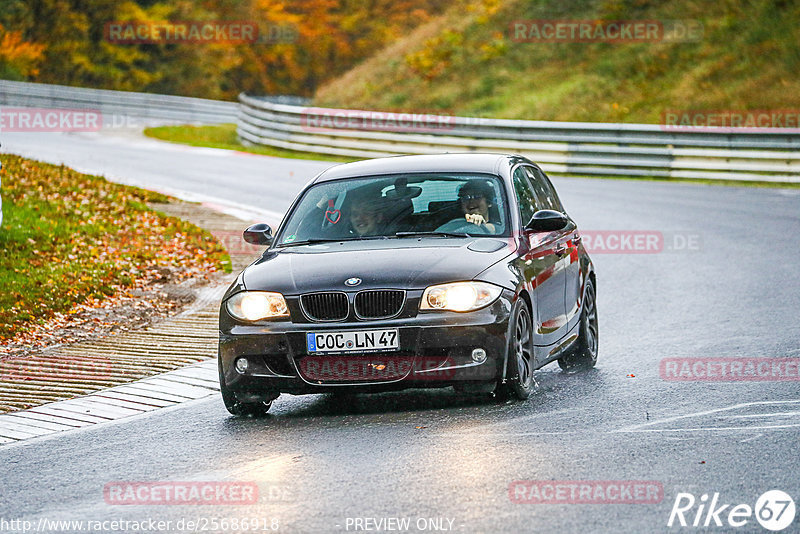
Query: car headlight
[[459, 296], [255, 305]]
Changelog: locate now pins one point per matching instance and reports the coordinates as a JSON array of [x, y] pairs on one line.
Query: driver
[[475, 198]]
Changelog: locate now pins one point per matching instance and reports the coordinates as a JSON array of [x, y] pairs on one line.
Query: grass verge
[[224, 136], [69, 237], [469, 61]]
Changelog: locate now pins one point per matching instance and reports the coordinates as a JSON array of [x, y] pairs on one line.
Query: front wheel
[[520, 354], [235, 406], [584, 354]]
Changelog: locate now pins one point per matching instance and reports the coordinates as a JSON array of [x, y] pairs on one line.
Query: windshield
[[399, 206]]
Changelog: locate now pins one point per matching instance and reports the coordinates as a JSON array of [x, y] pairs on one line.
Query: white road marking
[[776, 414], [245, 212], [647, 427], [712, 428]]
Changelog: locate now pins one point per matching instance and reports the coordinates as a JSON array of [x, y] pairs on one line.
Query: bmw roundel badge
[[352, 282]]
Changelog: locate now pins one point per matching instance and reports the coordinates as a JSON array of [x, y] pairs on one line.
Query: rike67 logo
[[774, 510]]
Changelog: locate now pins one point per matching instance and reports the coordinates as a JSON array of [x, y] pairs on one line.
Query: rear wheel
[[235, 406], [520, 354], [584, 354]]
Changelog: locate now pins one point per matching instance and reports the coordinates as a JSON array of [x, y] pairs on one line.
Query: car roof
[[472, 162]]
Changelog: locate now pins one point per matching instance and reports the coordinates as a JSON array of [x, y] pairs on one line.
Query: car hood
[[393, 263]]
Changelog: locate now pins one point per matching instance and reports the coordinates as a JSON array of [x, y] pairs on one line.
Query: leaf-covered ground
[[70, 242]]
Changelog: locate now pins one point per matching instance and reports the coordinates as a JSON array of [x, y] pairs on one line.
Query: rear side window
[[545, 192]]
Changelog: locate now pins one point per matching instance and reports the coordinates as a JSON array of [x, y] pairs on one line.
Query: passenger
[[365, 218]]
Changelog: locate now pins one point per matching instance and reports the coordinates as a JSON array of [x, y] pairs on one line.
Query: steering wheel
[[458, 226]]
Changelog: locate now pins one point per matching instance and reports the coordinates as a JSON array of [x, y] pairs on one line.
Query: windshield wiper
[[310, 241], [315, 240], [434, 234]]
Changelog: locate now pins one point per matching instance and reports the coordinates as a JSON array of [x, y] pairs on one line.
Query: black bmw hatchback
[[455, 270]]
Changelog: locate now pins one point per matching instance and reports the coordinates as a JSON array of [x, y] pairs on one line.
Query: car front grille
[[330, 306], [379, 304]]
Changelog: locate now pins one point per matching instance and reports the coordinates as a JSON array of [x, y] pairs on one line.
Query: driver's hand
[[475, 218]]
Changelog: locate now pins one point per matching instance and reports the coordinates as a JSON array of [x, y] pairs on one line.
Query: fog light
[[241, 365], [478, 355]]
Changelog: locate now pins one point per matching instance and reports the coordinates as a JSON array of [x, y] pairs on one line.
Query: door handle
[[560, 250]]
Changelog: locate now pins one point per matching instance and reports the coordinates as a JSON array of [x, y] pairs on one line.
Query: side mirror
[[547, 221], [258, 234]]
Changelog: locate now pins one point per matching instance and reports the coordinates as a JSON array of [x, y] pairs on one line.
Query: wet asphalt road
[[321, 462]]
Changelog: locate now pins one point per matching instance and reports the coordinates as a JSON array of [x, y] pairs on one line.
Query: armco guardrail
[[576, 148], [121, 103]]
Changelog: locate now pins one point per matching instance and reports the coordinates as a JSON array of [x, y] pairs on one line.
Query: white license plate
[[353, 341]]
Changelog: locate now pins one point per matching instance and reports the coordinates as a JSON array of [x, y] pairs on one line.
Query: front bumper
[[435, 350]]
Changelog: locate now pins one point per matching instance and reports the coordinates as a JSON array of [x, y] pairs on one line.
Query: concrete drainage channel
[[171, 362], [167, 389]]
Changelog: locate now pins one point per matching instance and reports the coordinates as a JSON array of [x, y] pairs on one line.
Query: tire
[[520, 382], [584, 355], [236, 407]]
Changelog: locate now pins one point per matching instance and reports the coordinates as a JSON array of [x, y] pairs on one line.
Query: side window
[[548, 199], [526, 198]]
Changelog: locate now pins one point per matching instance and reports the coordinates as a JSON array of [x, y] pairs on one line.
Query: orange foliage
[[301, 44], [19, 55]]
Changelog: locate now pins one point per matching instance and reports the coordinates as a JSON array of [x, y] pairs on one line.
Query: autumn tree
[[302, 43]]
